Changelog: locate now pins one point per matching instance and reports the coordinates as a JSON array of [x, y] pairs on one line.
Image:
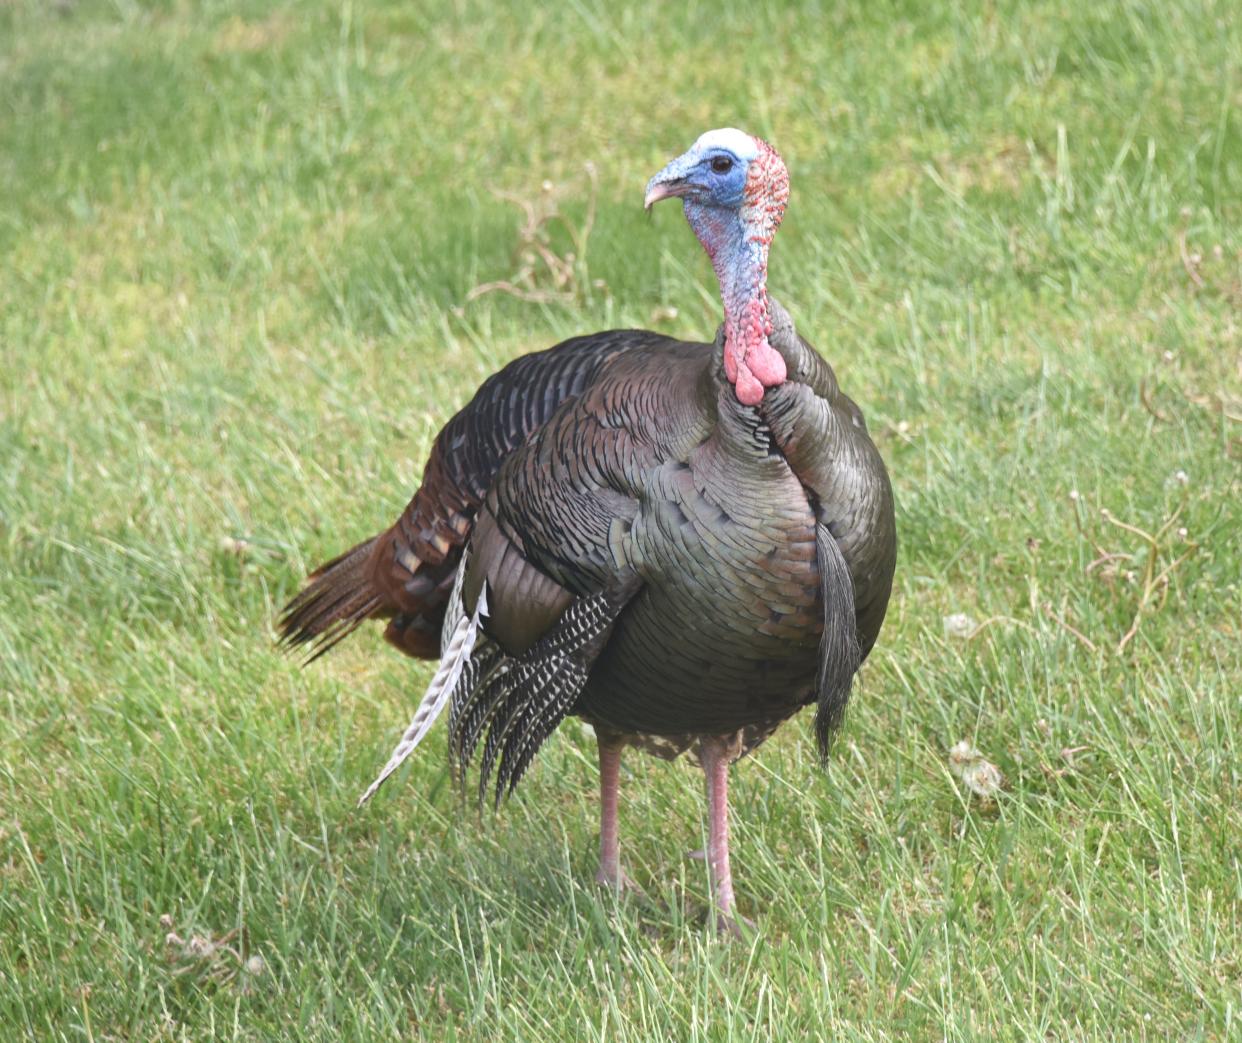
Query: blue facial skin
[[694, 177], [721, 189], [712, 199]]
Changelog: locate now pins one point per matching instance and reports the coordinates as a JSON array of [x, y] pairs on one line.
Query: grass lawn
[[237, 248]]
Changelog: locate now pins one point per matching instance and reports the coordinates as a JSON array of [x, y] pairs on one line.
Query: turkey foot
[[734, 925], [617, 880]]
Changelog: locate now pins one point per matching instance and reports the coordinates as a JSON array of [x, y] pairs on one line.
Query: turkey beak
[[657, 190], [671, 182]]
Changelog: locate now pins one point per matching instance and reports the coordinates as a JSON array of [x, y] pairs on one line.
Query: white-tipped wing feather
[[454, 656]]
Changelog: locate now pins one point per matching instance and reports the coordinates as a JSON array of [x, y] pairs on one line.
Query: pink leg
[[715, 754], [610, 874]]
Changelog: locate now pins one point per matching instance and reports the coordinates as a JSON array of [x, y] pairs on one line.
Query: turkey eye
[[722, 164]]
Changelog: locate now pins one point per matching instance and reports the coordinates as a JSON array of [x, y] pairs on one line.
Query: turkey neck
[[737, 243]]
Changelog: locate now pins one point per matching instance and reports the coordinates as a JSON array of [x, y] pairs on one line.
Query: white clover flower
[[959, 625]]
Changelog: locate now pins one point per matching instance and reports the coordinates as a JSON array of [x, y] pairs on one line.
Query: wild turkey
[[681, 543]]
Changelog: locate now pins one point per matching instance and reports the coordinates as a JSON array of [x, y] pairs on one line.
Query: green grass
[[236, 241]]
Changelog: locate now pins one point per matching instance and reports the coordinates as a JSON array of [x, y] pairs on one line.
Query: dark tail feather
[[337, 599], [839, 656]]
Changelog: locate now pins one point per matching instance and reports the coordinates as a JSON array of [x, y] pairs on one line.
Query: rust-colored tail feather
[[338, 598]]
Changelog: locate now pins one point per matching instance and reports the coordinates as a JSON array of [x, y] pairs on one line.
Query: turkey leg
[[610, 873], [715, 755]]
